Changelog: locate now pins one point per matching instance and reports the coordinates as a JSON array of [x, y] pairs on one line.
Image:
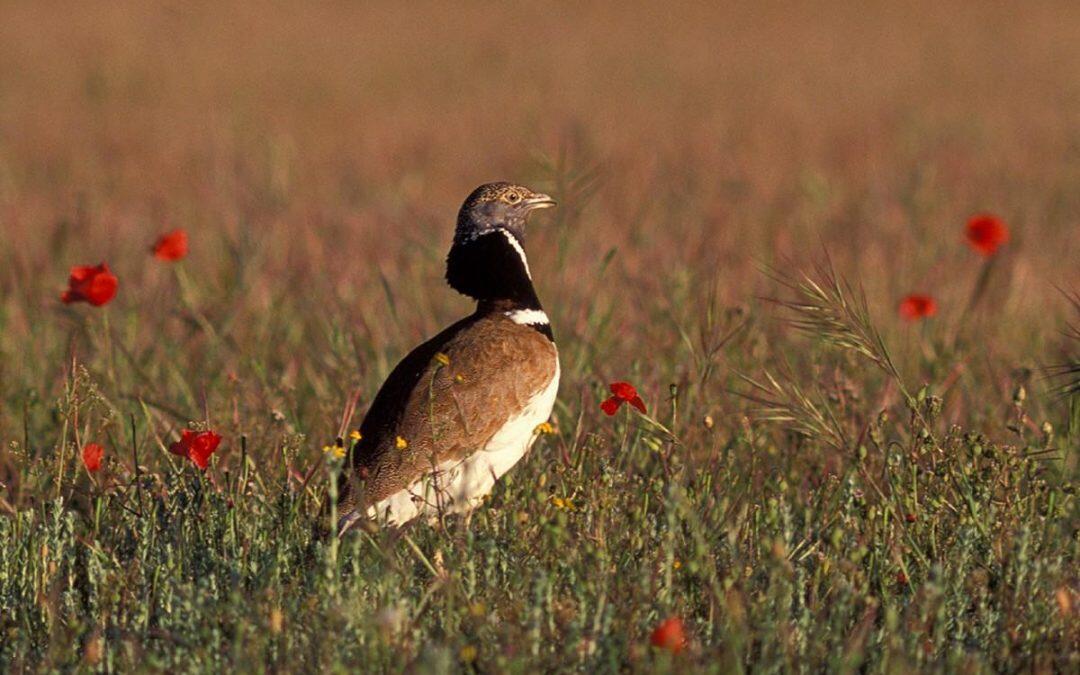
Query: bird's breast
[[510, 443]]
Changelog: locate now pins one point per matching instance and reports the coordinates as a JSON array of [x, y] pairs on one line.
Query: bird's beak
[[539, 201]]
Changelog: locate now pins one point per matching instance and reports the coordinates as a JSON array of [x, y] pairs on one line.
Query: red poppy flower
[[196, 446], [95, 285], [91, 456], [915, 307], [669, 635], [171, 246], [622, 392], [986, 232]]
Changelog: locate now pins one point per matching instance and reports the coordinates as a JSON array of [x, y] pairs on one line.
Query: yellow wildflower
[[442, 358], [339, 451], [544, 428], [468, 654], [354, 435], [563, 503], [401, 443], [677, 564]]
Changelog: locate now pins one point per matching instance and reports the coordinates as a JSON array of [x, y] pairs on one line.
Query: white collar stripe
[[529, 317]]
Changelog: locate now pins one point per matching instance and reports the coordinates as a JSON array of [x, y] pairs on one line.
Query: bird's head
[[498, 206]]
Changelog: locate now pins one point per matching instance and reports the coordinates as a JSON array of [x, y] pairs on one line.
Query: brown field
[[326, 147], [317, 154]]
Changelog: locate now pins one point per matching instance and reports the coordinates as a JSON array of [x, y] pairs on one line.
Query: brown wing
[[451, 410]]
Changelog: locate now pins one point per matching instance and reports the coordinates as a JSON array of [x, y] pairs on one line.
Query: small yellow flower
[[677, 564], [354, 435], [327, 449], [544, 428], [339, 451], [401, 443], [442, 358], [468, 654], [563, 503], [459, 378]]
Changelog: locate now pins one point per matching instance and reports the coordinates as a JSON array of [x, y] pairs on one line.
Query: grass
[[821, 486]]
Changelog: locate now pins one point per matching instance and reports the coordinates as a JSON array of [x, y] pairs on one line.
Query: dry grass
[[317, 156]]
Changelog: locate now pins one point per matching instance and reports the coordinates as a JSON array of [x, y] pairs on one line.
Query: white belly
[[457, 487]]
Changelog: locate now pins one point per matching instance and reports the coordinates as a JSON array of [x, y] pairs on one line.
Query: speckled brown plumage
[[445, 412], [501, 191]]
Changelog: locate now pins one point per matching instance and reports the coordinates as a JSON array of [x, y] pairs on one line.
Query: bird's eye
[[512, 198]]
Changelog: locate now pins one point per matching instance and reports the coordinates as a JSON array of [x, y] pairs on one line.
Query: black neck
[[490, 269]]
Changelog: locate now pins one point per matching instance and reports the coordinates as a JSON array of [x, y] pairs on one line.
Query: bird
[[463, 408]]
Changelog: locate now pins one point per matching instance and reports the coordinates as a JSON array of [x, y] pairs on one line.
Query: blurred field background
[[317, 155]]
